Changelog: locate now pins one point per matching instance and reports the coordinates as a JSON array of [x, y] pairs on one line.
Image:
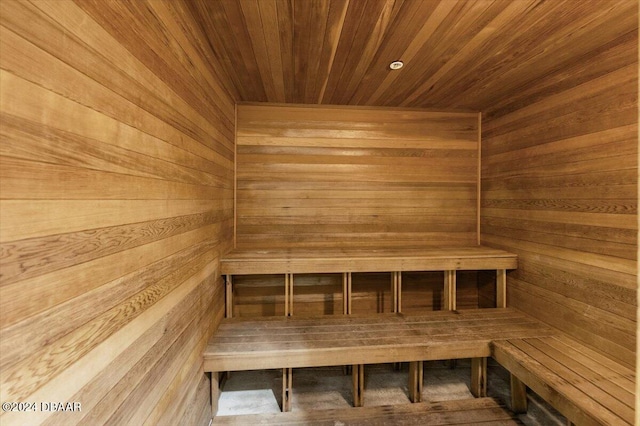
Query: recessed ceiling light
[[396, 65]]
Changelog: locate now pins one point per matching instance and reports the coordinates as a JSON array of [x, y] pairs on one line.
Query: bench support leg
[[288, 295], [479, 377], [228, 302], [215, 392], [287, 383], [228, 297], [416, 376], [396, 288], [450, 290], [346, 293], [449, 300], [358, 385], [518, 395], [501, 288], [396, 291], [346, 306]]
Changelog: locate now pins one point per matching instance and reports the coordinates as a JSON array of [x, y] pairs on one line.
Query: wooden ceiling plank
[[259, 46], [388, 12], [285, 28], [233, 28], [458, 27], [335, 23], [350, 36], [301, 44], [225, 45], [503, 45], [475, 45], [205, 19], [435, 19], [405, 25], [463, 54], [270, 26], [372, 26], [316, 27], [573, 33]]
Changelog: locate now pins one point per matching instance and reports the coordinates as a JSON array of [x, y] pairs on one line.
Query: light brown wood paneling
[[345, 176], [116, 186], [559, 188], [475, 54]]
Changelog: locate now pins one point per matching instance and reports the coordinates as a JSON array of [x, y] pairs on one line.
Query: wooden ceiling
[[461, 54]]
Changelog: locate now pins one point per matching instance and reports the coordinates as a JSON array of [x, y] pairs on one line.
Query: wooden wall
[[116, 182], [310, 176], [559, 187]]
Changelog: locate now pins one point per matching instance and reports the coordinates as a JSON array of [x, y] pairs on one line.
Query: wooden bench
[[347, 261], [291, 342], [585, 386], [461, 412]]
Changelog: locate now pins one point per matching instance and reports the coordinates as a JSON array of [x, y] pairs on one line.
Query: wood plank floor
[[281, 342], [326, 260]]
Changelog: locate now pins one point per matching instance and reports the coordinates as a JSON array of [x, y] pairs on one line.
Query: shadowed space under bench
[[460, 412]]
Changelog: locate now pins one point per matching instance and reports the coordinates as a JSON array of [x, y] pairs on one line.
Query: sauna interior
[[182, 180]]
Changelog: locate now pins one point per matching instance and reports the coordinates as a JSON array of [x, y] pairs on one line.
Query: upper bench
[[333, 260]]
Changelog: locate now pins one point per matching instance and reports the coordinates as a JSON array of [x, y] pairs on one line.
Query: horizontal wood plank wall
[[311, 176], [116, 182], [559, 188]]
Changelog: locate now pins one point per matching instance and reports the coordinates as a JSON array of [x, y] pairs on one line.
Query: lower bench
[[585, 386], [460, 412], [292, 342]]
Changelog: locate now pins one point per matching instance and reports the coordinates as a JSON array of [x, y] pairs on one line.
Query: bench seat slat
[[383, 338], [535, 349], [331, 260], [366, 319], [239, 361], [327, 333], [579, 364], [373, 339], [555, 384], [461, 412], [602, 360]]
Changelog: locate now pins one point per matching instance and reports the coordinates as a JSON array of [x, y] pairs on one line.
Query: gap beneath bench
[[255, 392]]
